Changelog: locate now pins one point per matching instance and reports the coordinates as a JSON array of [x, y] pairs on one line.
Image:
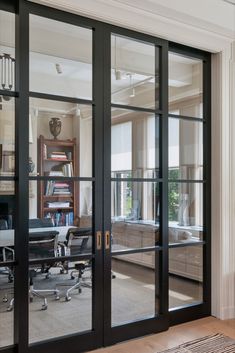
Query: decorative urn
[[55, 126]]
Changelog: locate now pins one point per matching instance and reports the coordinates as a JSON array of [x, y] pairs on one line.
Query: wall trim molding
[[136, 18], [223, 175]]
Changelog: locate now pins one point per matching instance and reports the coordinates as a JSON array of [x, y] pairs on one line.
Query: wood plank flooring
[[174, 336]]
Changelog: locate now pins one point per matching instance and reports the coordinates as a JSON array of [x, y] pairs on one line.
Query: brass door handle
[[107, 240], [98, 240]]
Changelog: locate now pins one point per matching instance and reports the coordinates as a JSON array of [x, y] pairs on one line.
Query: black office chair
[[78, 241], [6, 254], [42, 245], [42, 223]]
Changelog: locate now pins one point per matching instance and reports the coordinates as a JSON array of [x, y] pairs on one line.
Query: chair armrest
[[4, 252], [62, 249]]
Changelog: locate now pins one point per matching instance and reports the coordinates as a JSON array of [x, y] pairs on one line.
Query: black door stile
[[21, 320]]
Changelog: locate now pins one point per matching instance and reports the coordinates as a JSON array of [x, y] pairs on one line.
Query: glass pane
[[6, 305], [135, 210], [60, 138], [70, 206], [60, 58], [7, 51], [60, 225], [185, 149], [185, 212], [60, 303], [185, 276], [133, 73], [135, 144], [185, 86], [7, 136], [134, 296], [7, 220]]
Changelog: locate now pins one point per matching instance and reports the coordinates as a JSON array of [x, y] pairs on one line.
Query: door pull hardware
[[98, 240], [107, 240]]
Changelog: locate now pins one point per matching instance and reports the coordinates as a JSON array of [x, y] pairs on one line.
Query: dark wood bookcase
[[57, 199]]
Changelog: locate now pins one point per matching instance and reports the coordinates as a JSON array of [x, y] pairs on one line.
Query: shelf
[[57, 160], [50, 152], [48, 209], [58, 196]]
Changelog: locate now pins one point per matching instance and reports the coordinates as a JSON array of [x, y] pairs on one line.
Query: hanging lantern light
[[7, 64]]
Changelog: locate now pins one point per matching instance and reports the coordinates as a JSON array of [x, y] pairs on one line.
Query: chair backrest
[[79, 240], [3, 224], [40, 222], [43, 244]]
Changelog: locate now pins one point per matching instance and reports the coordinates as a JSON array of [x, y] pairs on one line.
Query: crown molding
[[152, 7], [198, 34]]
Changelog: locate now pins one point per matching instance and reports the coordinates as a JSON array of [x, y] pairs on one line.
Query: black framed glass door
[[65, 120], [104, 182], [135, 258]]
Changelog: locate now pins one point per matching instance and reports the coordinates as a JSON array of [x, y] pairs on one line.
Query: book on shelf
[[58, 155], [61, 218], [67, 169], [57, 173], [57, 188], [44, 151]]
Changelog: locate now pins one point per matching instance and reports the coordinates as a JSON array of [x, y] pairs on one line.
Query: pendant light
[[118, 74], [132, 88]]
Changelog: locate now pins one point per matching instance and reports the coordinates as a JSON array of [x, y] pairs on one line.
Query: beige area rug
[[217, 343]]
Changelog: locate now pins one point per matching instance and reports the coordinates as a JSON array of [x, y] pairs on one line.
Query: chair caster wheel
[[44, 307], [57, 297], [72, 277], [10, 308], [5, 300], [67, 299], [61, 272], [79, 290]]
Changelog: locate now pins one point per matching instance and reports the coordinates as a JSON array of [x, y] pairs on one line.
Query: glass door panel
[[134, 257], [60, 139], [62, 244], [133, 73], [60, 58], [7, 176], [133, 287], [185, 86], [60, 264]]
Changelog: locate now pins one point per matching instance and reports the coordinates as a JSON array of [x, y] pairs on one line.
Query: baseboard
[[227, 313]]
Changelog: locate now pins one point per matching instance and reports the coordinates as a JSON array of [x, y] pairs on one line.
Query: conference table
[[7, 236]]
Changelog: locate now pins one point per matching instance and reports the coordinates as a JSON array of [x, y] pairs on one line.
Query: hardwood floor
[[174, 336]]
